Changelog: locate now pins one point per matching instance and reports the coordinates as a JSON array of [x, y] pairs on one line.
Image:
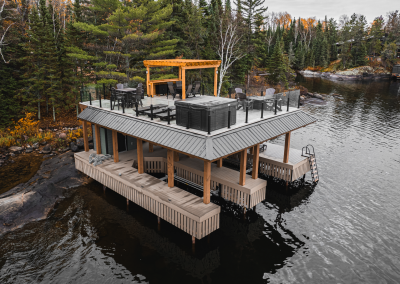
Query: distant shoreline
[[340, 77]]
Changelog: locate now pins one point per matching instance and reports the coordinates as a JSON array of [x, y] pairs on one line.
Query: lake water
[[344, 230]]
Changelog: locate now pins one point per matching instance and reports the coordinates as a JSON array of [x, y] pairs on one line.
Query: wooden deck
[[271, 163], [176, 206]]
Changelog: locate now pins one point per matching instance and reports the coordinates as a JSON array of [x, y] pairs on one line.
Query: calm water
[[345, 230]]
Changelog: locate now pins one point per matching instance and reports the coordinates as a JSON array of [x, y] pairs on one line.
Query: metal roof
[[208, 147]]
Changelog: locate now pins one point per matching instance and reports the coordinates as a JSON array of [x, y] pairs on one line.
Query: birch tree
[[5, 25], [229, 45]]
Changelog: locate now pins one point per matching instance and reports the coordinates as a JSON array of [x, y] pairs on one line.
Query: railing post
[[262, 109], [298, 103], [123, 105], [247, 113], [90, 98], [100, 98], [209, 123], [262, 93], [276, 105], [151, 111], [136, 109], [229, 118], [188, 120], [169, 119], [288, 98]]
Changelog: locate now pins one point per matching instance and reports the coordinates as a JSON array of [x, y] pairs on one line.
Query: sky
[[333, 9]]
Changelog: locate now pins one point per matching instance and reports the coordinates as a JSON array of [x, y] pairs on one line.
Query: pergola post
[[215, 81], [115, 146], [287, 147], [176, 156], [207, 182], [183, 84], [243, 163], [140, 156], [219, 163], [85, 136], [98, 142], [150, 147], [170, 165], [180, 73], [149, 91], [256, 161]]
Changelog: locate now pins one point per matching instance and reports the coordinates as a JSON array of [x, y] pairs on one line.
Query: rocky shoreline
[[342, 77]]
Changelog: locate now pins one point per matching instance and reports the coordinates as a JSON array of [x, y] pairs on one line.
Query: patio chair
[[140, 85], [130, 99], [269, 91], [196, 89], [120, 86], [171, 90], [247, 103], [139, 95], [189, 91], [240, 98]]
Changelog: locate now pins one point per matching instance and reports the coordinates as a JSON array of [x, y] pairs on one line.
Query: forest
[[50, 50]]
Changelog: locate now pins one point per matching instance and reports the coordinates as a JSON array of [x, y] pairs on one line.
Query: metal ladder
[[308, 151]]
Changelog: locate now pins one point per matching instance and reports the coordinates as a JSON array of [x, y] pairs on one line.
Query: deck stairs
[[308, 151]]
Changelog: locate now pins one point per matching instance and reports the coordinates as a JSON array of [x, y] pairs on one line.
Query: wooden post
[[140, 156], [256, 161], [98, 142], [180, 73], [148, 81], [115, 146], [193, 240], [176, 156], [150, 147], [287, 147], [219, 163], [207, 182], [215, 81], [183, 85], [85, 137], [243, 163], [170, 164], [252, 150]]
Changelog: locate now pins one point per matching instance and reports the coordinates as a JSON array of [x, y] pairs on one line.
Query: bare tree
[[229, 47], [5, 28]]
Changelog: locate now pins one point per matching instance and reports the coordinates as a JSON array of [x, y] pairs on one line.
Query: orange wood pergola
[[183, 64]]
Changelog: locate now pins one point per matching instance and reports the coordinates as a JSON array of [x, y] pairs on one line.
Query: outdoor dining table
[[258, 100]]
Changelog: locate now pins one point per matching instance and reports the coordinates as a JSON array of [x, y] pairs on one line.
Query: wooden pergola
[[183, 64]]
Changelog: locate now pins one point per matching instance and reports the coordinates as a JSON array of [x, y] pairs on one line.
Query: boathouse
[[189, 142]]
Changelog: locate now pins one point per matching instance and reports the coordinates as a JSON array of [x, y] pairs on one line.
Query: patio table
[[267, 101]]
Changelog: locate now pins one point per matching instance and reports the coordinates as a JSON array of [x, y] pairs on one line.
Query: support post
[[256, 161], [176, 156], [215, 81], [243, 163], [287, 146], [140, 155], [98, 142], [193, 240], [148, 81], [219, 163], [183, 85], [150, 148], [85, 137], [115, 146], [180, 74], [170, 165], [207, 182]]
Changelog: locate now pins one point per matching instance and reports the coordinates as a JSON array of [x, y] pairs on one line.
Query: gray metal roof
[[203, 146]]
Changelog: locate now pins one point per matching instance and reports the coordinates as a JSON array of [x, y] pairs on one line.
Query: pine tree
[[277, 68]]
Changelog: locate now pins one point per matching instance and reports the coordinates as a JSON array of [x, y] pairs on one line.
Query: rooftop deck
[[254, 116]]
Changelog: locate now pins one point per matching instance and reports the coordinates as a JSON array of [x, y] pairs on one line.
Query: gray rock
[[15, 149], [43, 142], [12, 155], [29, 150], [35, 145], [73, 147], [47, 149], [80, 143]]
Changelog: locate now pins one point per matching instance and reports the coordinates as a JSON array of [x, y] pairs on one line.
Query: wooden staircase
[[310, 154]]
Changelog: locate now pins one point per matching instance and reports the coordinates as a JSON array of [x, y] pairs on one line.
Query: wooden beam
[[256, 161], [140, 156], [287, 147], [115, 146], [170, 165], [98, 142], [207, 182], [243, 163], [148, 81], [215, 81], [183, 84], [202, 66], [85, 136], [219, 163], [176, 156], [151, 147]]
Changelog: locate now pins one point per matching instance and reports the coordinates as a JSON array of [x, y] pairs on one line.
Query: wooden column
[[140, 156], [170, 165], [176, 156], [85, 136], [207, 182], [215, 81], [150, 147], [243, 163], [252, 150], [98, 142], [183, 84], [148, 81], [115, 146], [180, 73], [219, 163], [287, 147], [256, 161]]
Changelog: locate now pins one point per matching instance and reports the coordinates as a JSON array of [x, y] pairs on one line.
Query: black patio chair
[[189, 91], [139, 95], [140, 85], [130, 99], [164, 115], [171, 90], [196, 89]]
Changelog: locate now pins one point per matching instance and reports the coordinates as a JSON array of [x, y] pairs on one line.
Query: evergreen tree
[[277, 68]]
